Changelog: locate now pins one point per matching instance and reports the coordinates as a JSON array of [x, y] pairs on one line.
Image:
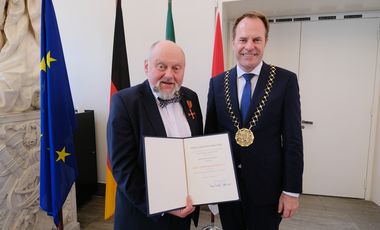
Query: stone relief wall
[[20, 123], [19, 176], [19, 55]]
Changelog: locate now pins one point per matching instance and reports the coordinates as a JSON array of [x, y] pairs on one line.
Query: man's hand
[[184, 211], [288, 205]]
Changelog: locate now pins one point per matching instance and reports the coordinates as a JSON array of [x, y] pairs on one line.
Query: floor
[[316, 213]]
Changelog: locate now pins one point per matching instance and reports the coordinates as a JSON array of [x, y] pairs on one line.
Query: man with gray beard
[[160, 107]]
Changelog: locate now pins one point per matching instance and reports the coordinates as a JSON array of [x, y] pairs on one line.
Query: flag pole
[[60, 225]]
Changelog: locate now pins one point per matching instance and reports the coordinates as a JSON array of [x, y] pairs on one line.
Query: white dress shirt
[[174, 119]]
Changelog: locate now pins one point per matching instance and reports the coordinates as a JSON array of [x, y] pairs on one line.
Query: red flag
[[119, 80], [217, 68], [218, 59]]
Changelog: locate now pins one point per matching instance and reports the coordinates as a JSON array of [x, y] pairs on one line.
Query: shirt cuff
[[291, 194]]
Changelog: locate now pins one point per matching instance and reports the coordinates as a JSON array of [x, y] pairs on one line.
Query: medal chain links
[[260, 107]]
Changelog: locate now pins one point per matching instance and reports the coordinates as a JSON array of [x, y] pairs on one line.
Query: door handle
[[307, 122]]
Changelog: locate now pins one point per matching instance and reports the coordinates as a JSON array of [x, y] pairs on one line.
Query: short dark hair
[[252, 14]]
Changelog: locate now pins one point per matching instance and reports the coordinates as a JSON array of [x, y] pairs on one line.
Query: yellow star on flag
[[62, 154], [49, 59], [43, 64]]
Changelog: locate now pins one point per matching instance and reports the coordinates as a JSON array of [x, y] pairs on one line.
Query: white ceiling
[[281, 8]]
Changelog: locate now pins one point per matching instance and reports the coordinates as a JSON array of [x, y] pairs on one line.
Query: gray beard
[[166, 95]]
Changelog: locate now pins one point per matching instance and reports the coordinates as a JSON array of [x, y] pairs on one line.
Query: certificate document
[[201, 167]]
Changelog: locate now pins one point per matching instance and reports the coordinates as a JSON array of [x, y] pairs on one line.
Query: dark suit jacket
[[134, 114], [274, 162]]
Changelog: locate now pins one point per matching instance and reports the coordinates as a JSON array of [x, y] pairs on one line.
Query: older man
[[160, 106]]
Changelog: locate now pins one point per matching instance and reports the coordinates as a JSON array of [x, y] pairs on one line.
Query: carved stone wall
[[20, 133], [19, 176], [19, 55]]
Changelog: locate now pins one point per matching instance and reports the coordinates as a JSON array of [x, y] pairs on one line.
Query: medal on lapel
[[190, 106]]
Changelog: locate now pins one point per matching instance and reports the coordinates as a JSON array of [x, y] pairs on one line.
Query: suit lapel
[[151, 110], [190, 113]]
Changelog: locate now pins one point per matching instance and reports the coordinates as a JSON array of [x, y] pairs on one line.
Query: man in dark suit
[[159, 107], [259, 105]]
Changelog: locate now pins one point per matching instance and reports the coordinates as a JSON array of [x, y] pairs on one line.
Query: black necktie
[[246, 97]]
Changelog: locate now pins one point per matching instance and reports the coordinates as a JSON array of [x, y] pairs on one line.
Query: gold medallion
[[244, 137]]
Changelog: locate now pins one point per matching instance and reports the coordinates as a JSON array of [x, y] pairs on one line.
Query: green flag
[[170, 35]]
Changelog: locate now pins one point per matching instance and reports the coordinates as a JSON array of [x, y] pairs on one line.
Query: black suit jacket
[[274, 162], [134, 114]]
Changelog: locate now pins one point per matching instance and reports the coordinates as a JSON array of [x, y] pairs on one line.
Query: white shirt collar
[[255, 71]]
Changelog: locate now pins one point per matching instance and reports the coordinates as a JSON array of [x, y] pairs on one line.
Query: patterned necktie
[[246, 97]]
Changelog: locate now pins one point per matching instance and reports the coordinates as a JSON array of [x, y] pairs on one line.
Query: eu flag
[[58, 169]]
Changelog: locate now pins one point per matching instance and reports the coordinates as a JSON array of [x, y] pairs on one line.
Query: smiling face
[[165, 68], [249, 42]]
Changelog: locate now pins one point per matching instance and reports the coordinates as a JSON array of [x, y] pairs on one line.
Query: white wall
[[376, 169], [87, 27], [375, 195]]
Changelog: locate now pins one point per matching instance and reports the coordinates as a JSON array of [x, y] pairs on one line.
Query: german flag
[[119, 80]]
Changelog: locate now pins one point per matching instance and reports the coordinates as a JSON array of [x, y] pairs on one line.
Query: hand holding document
[[201, 167], [185, 211]]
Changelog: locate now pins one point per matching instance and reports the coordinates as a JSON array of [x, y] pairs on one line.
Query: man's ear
[[146, 66]]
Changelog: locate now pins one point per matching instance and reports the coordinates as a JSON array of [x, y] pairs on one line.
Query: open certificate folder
[[201, 167]]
